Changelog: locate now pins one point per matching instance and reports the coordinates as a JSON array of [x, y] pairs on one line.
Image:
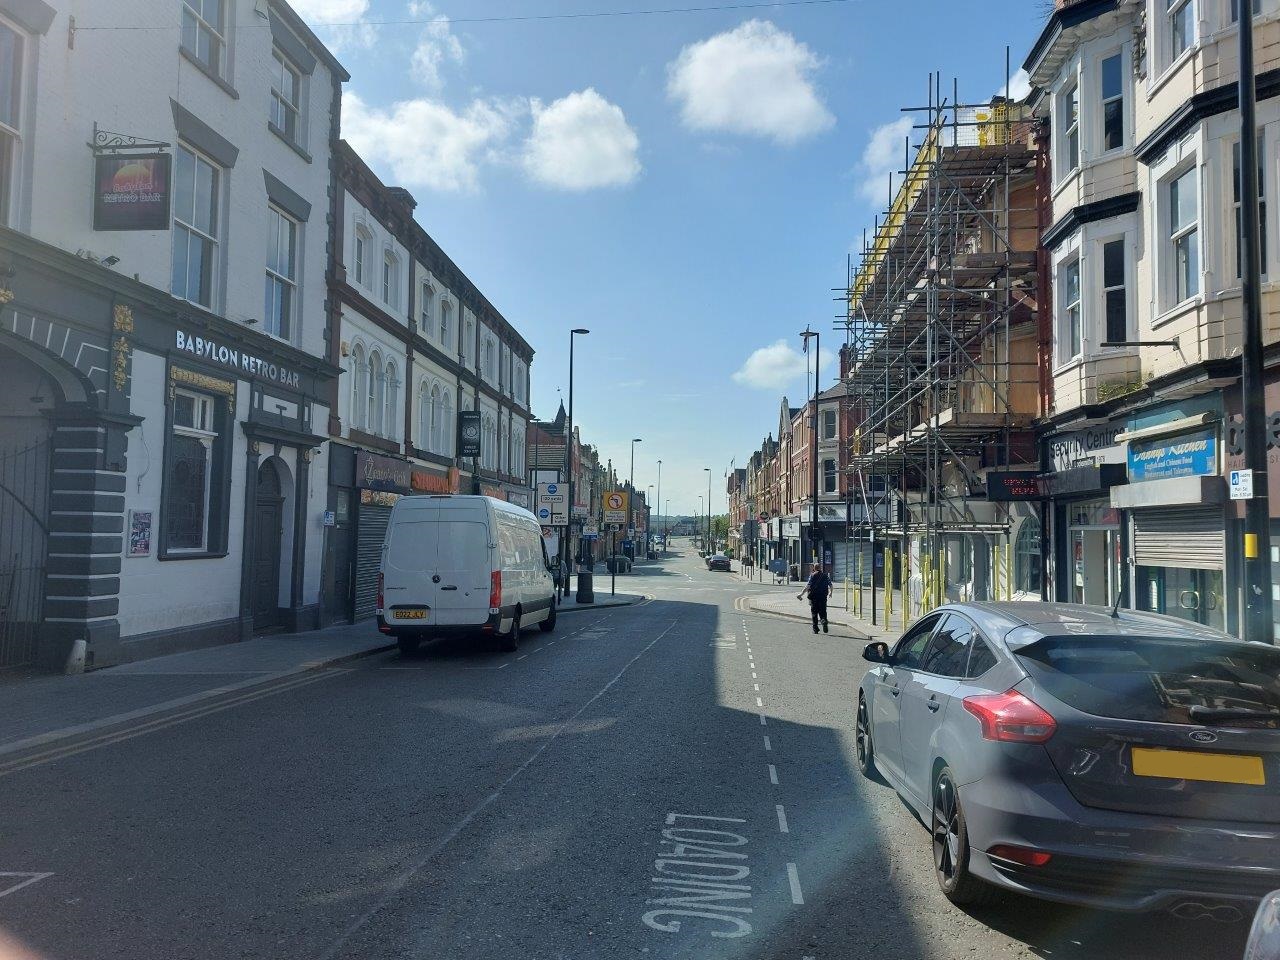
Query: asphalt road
[[674, 779]]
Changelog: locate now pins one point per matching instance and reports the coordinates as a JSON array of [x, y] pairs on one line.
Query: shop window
[[1026, 557], [203, 32], [195, 475], [196, 182], [11, 93]]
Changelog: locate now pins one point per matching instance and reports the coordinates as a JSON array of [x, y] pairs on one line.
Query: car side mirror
[[1264, 938], [877, 652]]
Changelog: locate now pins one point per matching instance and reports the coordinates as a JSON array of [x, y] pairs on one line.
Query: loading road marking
[[793, 877], [782, 819], [161, 723], [699, 873]]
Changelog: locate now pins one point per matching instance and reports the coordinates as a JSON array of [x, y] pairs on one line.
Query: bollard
[[586, 593]]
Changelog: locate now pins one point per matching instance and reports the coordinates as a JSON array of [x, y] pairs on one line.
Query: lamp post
[[710, 543], [664, 538], [631, 492], [568, 453], [805, 334], [648, 517], [1257, 620], [699, 521]]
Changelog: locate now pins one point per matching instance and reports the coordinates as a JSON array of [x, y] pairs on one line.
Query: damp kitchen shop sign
[[242, 360]]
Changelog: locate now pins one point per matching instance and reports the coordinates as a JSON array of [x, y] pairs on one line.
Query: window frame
[[10, 177], [375, 396], [359, 254], [359, 386], [426, 298], [219, 67], [390, 391], [1068, 138], [1172, 236], [288, 283], [1063, 333], [1232, 164], [910, 637], [446, 324], [291, 109], [1104, 291], [1103, 101], [1173, 8], [215, 250], [833, 476], [214, 438], [390, 279]]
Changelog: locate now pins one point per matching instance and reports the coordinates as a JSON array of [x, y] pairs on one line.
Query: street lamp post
[[710, 543], [664, 539], [631, 493], [813, 448], [568, 456], [648, 517]]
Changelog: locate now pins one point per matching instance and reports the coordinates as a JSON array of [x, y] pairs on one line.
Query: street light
[[568, 450], [664, 533], [631, 493], [710, 544], [816, 546]]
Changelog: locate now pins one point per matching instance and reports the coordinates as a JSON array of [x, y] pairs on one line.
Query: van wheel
[[408, 645], [549, 623], [510, 641]]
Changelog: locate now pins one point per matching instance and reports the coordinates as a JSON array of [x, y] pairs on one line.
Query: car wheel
[[951, 848], [866, 749], [408, 645], [510, 641], [549, 624]]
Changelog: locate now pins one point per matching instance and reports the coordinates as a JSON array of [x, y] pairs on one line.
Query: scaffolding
[[943, 350]]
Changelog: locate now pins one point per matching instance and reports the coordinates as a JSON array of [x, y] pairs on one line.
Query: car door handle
[[933, 705], [450, 587], [895, 690]]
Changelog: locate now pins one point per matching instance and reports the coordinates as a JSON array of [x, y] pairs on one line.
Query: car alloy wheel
[[866, 751], [951, 848]]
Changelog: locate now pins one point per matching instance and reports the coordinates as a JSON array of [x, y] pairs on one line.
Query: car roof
[[1045, 619]]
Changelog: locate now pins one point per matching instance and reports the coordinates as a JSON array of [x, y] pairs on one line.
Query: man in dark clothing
[[818, 588]]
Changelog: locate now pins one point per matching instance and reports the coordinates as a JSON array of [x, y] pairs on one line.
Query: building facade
[[162, 325]]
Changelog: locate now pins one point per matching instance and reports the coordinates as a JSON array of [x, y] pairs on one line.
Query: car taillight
[[379, 589], [1010, 717], [495, 591], [1020, 855]]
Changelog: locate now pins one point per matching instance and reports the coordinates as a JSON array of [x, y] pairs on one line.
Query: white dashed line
[[773, 774], [782, 820], [794, 877], [522, 656], [753, 676], [762, 720], [757, 686], [768, 745], [759, 702]]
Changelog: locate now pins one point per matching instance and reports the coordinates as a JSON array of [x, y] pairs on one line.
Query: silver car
[[1122, 760]]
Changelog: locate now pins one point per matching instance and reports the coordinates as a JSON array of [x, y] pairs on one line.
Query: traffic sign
[[615, 506], [553, 504], [590, 531], [1241, 483]]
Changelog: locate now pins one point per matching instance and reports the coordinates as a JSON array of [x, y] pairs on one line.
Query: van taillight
[[379, 589], [495, 591]]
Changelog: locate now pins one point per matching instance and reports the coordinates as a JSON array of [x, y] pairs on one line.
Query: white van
[[463, 565]]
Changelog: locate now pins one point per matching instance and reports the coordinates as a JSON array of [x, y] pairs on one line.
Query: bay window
[[1112, 103], [1070, 330], [1182, 245], [1069, 124], [1115, 302]]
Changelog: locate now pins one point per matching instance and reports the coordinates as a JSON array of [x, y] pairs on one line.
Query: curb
[[91, 726], [862, 634], [586, 608]]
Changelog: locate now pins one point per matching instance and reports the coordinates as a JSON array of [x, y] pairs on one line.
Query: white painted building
[[164, 194]]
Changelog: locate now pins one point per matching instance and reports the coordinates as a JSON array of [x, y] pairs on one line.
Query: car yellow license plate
[[1198, 765], [412, 614]]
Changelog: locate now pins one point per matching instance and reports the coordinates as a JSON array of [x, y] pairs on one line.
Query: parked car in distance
[[718, 561], [463, 565], [1124, 760]]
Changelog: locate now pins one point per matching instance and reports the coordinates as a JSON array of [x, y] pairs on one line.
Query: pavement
[[675, 780]]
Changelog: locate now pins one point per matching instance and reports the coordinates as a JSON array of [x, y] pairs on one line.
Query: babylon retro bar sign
[[208, 349], [131, 191]]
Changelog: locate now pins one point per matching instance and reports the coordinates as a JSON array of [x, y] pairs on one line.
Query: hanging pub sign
[[469, 433], [1004, 486], [131, 191]]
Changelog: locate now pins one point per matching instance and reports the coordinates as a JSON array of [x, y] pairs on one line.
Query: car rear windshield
[[1158, 679]]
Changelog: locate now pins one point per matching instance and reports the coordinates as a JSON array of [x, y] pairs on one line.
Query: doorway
[[268, 529]]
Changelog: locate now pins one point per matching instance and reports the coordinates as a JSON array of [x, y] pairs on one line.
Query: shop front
[[363, 487], [1087, 546], [1175, 502]]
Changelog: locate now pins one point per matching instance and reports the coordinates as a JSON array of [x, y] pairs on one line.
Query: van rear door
[[408, 562], [464, 565]]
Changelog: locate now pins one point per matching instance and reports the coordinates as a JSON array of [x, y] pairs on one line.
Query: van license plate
[[417, 613], [1197, 765]]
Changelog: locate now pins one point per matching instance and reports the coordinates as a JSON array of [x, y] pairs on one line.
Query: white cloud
[[342, 24], [425, 142], [775, 366], [754, 80], [1019, 85], [581, 142], [437, 45], [883, 158]]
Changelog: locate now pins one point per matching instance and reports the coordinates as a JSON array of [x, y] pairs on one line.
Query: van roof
[[461, 500]]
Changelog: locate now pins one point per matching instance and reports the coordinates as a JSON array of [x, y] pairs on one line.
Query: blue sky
[[685, 185]]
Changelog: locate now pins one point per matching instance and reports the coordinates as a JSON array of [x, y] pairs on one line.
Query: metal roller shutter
[[843, 552], [372, 528], [1189, 537]]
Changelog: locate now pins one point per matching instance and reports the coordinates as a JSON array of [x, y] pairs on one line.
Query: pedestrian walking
[[819, 589]]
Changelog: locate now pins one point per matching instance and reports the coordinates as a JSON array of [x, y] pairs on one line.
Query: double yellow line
[[59, 752]]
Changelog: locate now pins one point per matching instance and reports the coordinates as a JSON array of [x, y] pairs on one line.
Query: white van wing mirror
[[1264, 938]]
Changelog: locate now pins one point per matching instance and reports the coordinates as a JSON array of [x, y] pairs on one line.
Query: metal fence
[[24, 498]]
